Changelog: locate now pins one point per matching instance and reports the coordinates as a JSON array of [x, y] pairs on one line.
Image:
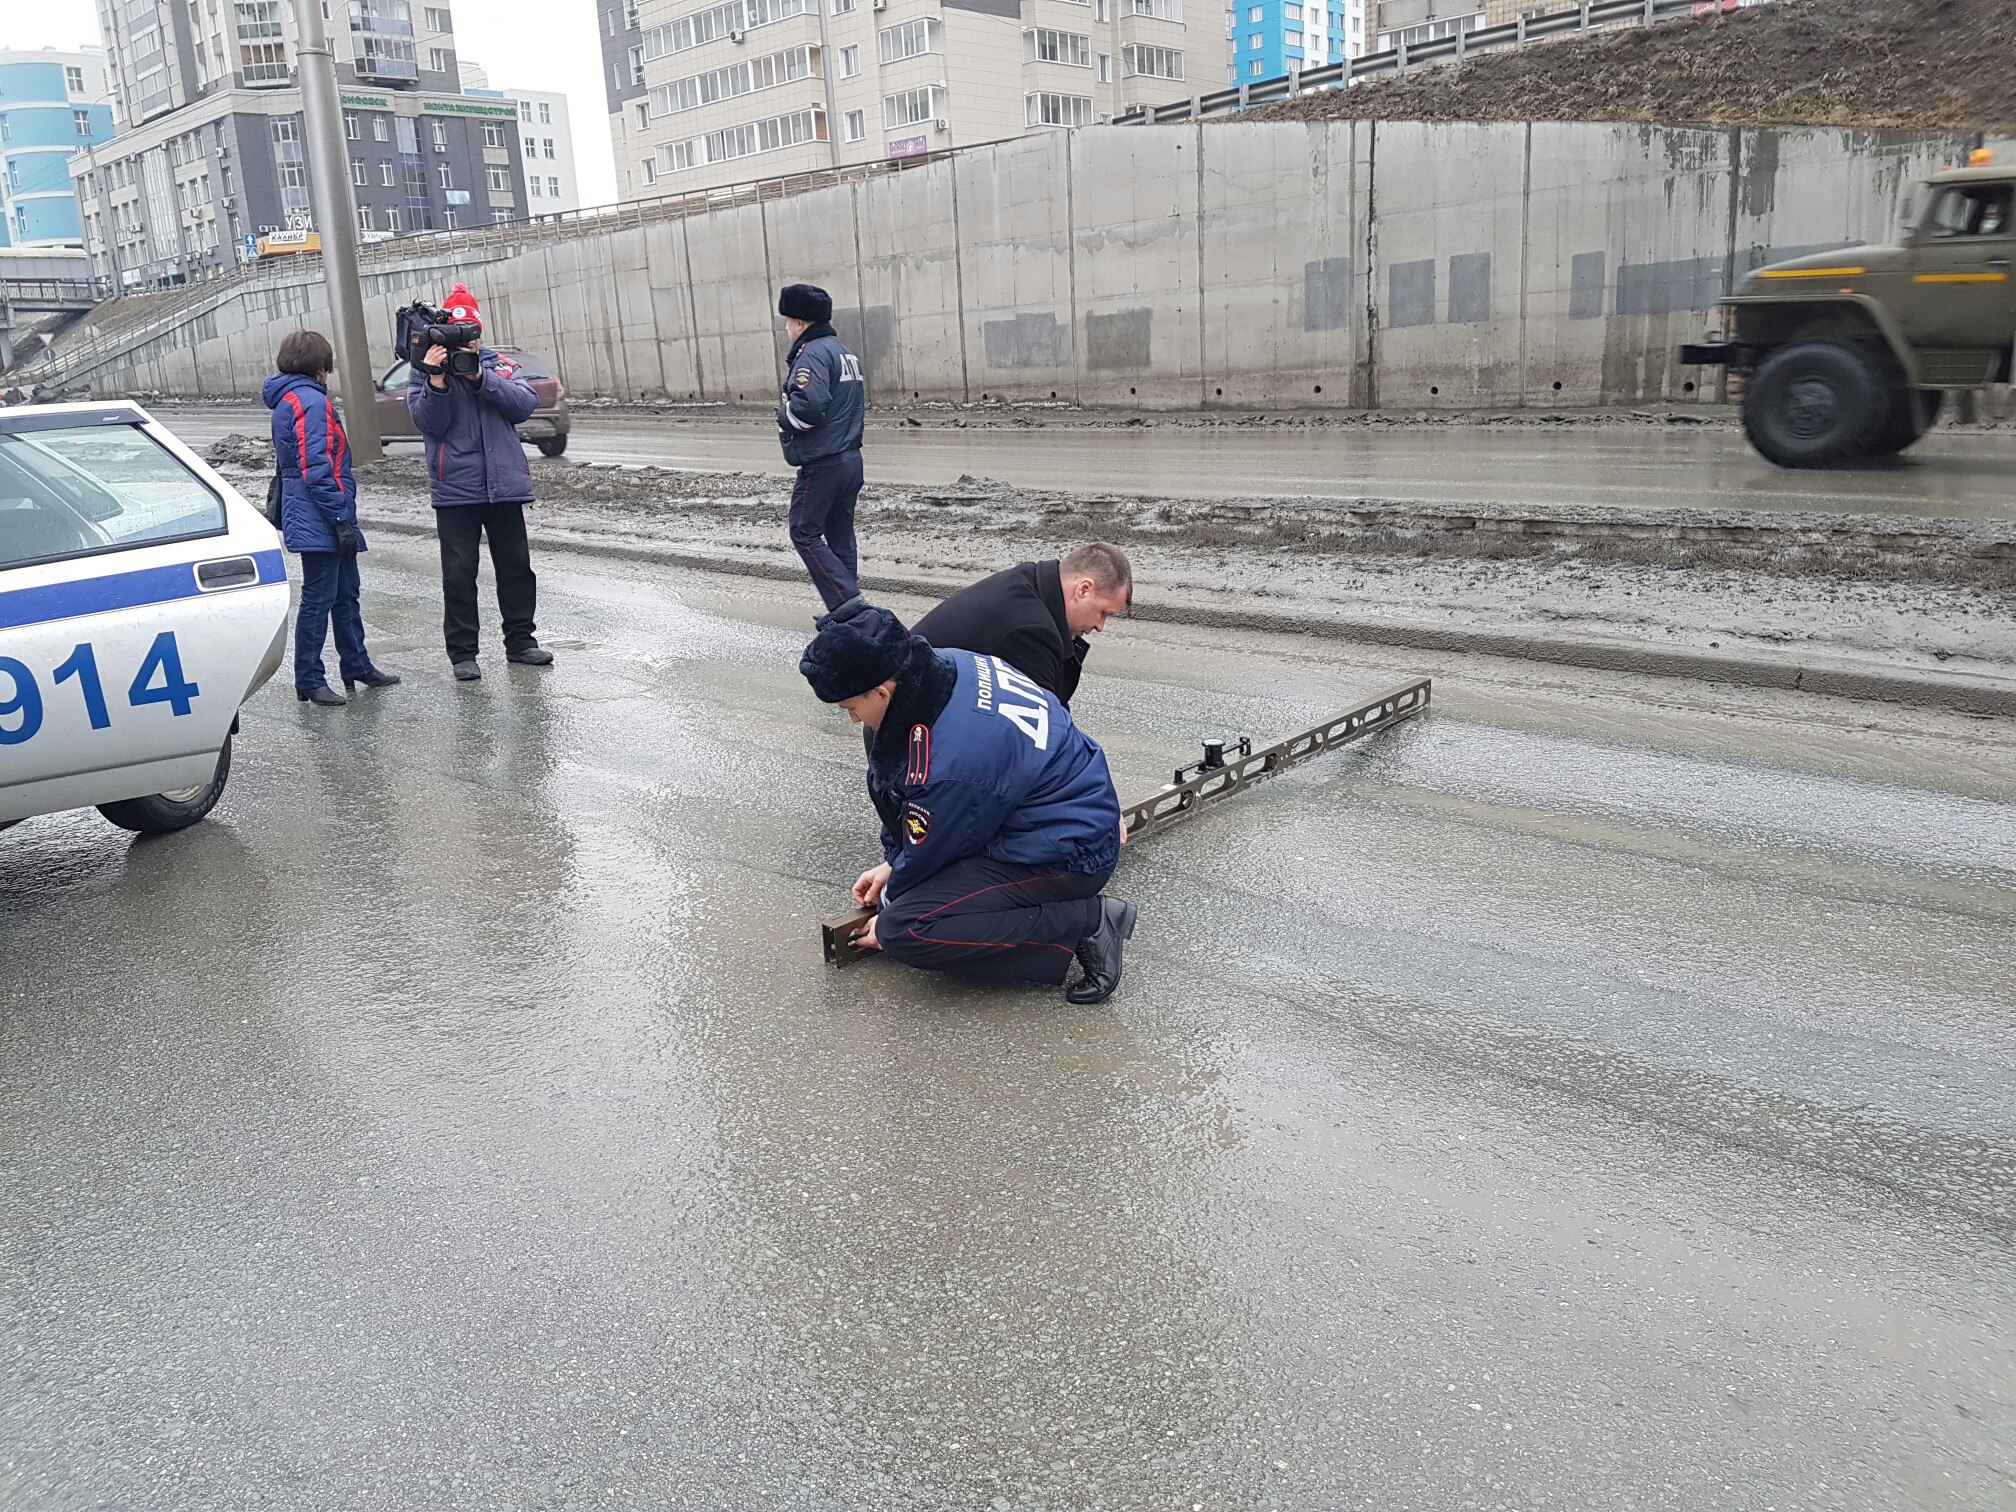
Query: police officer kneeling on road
[[1000, 825]]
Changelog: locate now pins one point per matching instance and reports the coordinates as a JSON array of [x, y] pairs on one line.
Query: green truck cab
[[1847, 356]]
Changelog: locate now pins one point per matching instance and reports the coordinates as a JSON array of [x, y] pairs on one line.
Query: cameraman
[[481, 485]]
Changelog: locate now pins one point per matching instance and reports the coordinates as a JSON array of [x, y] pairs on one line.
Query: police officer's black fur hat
[[858, 647], [805, 302]]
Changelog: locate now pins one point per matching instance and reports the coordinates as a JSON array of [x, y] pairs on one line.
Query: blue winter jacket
[[317, 491], [998, 770], [474, 455], [819, 412]]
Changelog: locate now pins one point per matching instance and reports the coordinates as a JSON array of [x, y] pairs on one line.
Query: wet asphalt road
[[1600, 1093], [1948, 475]]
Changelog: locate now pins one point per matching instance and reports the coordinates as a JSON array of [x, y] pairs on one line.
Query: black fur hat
[[858, 647], [805, 302]]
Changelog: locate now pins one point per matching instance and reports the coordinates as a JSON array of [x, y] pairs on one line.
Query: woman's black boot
[[372, 679], [322, 695]]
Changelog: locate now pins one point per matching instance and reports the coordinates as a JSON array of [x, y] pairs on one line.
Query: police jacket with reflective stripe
[[819, 415], [317, 491], [972, 759], [474, 455]]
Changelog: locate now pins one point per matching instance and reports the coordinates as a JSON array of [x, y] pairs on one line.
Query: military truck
[[1847, 356]]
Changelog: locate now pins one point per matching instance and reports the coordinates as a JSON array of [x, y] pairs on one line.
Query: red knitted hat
[[461, 305]]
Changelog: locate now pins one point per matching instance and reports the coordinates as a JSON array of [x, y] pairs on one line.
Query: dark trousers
[[462, 528], [993, 919], [329, 590], [822, 524]]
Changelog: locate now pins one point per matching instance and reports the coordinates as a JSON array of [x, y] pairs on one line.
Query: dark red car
[[547, 429]]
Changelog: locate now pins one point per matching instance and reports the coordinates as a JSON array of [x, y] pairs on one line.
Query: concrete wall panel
[[1021, 335], [734, 297], [909, 265], [1475, 256], [1134, 254]]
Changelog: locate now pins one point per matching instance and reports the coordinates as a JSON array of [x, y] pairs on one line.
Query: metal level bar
[[1177, 801]]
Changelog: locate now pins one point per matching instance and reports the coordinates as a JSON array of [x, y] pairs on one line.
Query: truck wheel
[[164, 813], [1817, 404], [552, 446], [1912, 412]]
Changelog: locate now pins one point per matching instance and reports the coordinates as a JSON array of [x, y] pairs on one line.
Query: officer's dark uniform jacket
[[824, 396], [974, 759], [1018, 614]]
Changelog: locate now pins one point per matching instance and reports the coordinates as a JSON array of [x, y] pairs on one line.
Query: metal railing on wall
[[1400, 59]]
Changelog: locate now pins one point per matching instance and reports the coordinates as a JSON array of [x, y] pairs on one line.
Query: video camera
[[420, 326]]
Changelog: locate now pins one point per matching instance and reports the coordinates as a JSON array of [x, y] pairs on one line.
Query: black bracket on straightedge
[[1227, 768]]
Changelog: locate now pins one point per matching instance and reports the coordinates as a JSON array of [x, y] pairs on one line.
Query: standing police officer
[[1000, 825], [819, 423]]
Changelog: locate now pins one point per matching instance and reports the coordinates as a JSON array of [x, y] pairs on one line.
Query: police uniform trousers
[[994, 919], [822, 524]]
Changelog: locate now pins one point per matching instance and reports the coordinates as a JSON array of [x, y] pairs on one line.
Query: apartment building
[[1277, 37], [1412, 21], [51, 103], [704, 93], [547, 134], [210, 153]]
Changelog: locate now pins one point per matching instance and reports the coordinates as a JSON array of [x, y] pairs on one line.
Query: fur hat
[[858, 647], [805, 302], [461, 305]]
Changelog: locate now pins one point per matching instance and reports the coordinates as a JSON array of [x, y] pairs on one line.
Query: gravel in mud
[[1918, 64], [1898, 594]]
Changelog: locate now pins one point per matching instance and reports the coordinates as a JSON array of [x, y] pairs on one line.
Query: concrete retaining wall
[[1390, 264]]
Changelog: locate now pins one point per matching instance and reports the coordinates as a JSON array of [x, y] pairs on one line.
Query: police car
[[141, 602]]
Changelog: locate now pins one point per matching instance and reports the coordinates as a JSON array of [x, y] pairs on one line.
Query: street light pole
[[336, 213]]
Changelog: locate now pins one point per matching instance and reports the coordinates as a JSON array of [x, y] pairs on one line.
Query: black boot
[[1099, 952], [372, 679], [466, 671], [322, 696], [531, 656]]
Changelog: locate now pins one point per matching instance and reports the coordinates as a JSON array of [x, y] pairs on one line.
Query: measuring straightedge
[[1227, 768]]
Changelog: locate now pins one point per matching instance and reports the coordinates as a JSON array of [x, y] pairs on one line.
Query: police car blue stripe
[[119, 590]]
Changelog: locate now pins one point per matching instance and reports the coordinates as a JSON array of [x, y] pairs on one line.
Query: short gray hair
[[1107, 566]]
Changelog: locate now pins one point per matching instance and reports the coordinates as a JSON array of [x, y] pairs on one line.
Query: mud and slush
[[1899, 594]]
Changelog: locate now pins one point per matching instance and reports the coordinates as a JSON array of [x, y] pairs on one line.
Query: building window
[[1253, 42], [392, 219], [385, 174], [1102, 10], [643, 114], [553, 187], [437, 59], [450, 219], [1046, 109], [524, 110], [545, 112], [736, 79], [445, 175], [850, 65], [1153, 62], [651, 170], [293, 176], [842, 7], [1253, 68], [357, 172], [73, 78], [532, 187], [500, 217], [437, 18], [549, 147], [909, 40], [1255, 15], [1042, 46], [81, 119], [1104, 68], [439, 131], [854, 126], [377, 128], [529, 148], [1291, 12], [748, 139], [364, 218], [495, 134], [637, 64], [909, 108], [719, 21], [498, 177], [1161, 10], [352, 127]]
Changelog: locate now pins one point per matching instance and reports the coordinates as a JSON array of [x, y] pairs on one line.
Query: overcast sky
[[522, 44]]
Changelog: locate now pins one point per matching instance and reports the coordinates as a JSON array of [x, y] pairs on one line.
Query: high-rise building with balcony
[[1276, 37], [210, 153], [704, 93], [51, 103], [547, 137]]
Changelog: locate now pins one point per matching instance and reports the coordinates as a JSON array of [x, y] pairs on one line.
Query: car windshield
[[1977, 210], [70, 491]]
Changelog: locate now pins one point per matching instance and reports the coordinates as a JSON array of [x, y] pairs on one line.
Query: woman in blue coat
[[318, 518]]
